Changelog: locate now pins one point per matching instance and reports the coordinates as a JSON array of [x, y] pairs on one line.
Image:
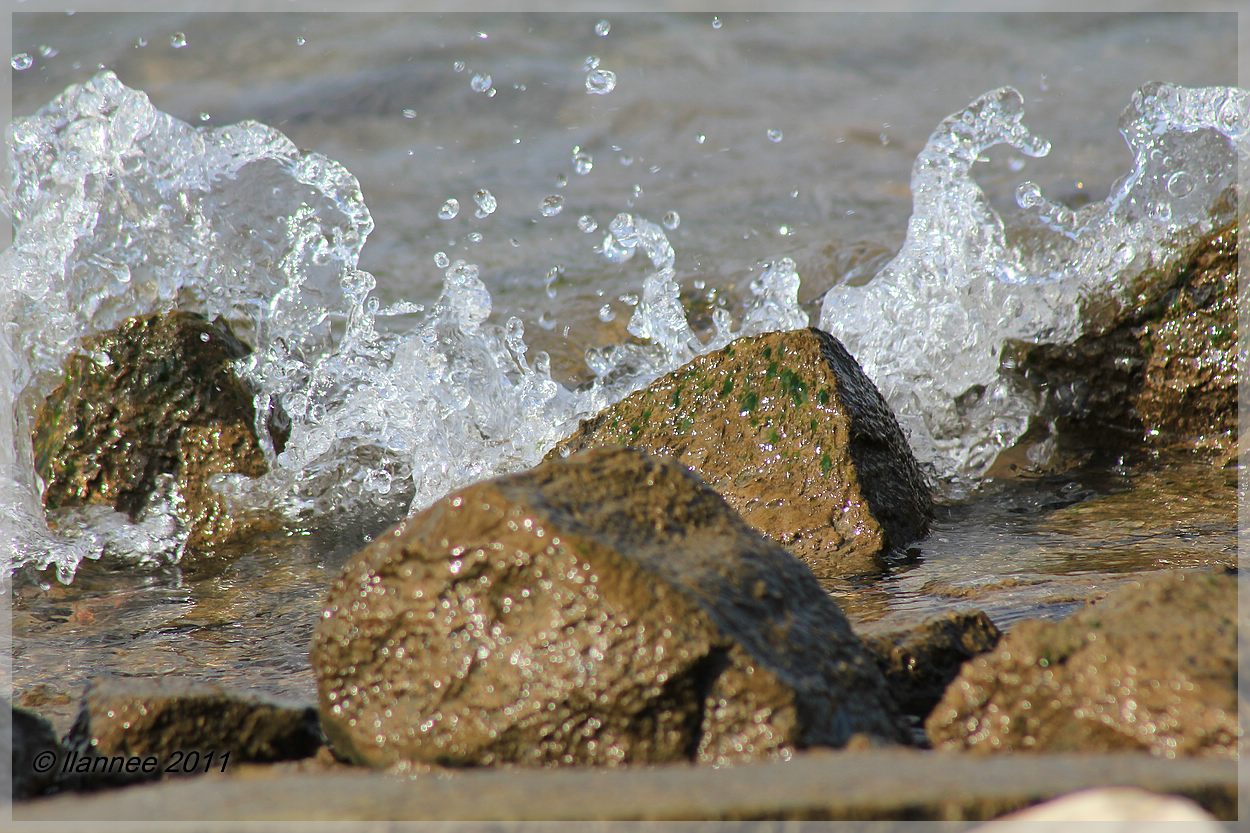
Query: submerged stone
[[789, 430], [603, 609], [170, 719], [1152, 666], [1157, 362], [154, 398], [920, 662]]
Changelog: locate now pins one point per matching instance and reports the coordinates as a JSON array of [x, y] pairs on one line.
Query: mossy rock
[[155, 397], [603, 609], [794, 436]]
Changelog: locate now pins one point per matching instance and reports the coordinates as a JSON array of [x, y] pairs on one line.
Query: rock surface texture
[[170, 718], [603, 609], [1153, 666], [33, 737], [789, 430], [155, 398]]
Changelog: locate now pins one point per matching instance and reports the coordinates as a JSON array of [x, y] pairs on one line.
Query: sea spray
[[930, 327]]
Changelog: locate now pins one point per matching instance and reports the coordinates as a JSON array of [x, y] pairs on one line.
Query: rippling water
[[740, 140]]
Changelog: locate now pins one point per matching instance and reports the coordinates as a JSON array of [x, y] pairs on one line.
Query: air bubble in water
[[458, 66], [178, 40], [600, 81], [474, 237], [591, 62], [1180, 184], [561, 180], [441, 260], [775, 135], [449, 209], [1015, 164], [480, 82], [716, 24], [605, 313], [671, 220], [551, 205], [583, 162], [700, 139], [486, 203], [1160, 211], [300, 40], [22, 61], [602, 28], [410, 113], [48, 51], [1028, 195], [587, 223], [379, 481]]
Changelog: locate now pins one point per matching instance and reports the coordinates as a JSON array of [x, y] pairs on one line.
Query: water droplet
[[602, 28], [178, 40], [551, 205], [441, 260], [1015, 164], [600, 81], [583, 162], [409, 113], [884, 138], [591, 62], [449, 209], [22, 61], [637, 192], [1043, 83], [205, 116], [626, 159], [378, 480], [716, 24], [785, 231], [1180, 184], [458, 66], [1028, 195], [480, 82], [700, 139], [140, 42], [1160, 211], [300, 40], [486, 203], [474, 237], [775, 135], [561, 180], [605, 313], [587, 223], [671, 220], [205, 337], [48, 51]]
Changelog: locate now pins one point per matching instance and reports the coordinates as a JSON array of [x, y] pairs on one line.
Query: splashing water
[[930, 327], [122, 210]]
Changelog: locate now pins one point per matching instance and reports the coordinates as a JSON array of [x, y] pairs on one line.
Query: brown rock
[[170, 718], [153, 398], [919, 663], [602, 609], [1152, 666], [787, 428]]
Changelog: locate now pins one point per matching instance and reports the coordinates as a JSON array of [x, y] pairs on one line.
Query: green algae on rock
[[1157, 362], [1152, 666], [171, 718], [602, 609], [789, 430], [154, 397]]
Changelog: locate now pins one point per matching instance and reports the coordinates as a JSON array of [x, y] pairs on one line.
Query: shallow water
[[770, 136]]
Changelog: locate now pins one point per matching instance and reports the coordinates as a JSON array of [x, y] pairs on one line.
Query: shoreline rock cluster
[[651, 593]]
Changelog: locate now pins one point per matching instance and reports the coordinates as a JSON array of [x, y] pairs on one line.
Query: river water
[[739, 140]]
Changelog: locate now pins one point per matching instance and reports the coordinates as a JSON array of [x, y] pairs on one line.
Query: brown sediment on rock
[[152, 399], [172, 718], [1152, 666], [789, 430], [606, 608], [1157, 362], [920, 662]]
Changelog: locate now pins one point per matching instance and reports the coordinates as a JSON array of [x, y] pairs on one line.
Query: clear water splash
[[930, 327]]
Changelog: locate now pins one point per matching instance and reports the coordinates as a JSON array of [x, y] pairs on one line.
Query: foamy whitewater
[[122, 210]]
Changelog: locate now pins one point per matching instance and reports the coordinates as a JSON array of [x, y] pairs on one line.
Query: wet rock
[[171, 719], [1151, 666], [787, 428], [34, 744], [1157, 363], [919, 663], [1112, 804], [152, 399], [602, 609]]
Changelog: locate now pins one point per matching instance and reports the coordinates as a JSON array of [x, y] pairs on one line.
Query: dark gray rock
[[606, 608], [34, 745]]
